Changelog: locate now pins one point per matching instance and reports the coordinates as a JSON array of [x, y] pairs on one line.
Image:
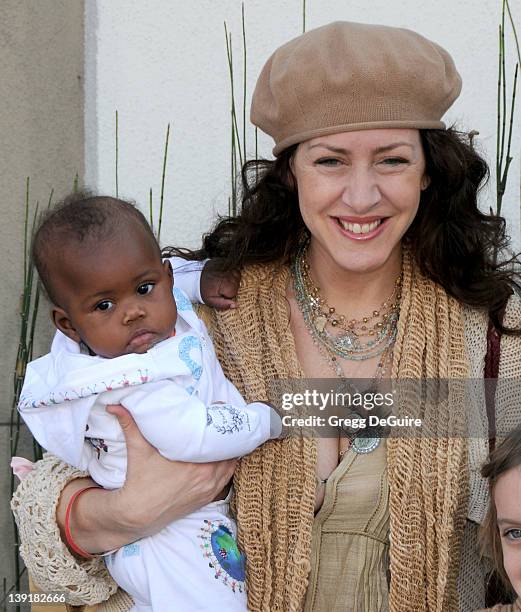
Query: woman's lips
[[361, 229]]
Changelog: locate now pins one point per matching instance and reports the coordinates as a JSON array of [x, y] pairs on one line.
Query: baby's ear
[[63, 323]]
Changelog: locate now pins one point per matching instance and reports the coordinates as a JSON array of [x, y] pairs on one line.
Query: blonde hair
[[504, 458]]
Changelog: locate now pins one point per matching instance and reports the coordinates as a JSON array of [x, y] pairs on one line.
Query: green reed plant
[[29, 304], [150, 193], [238, 145], [162, 194], [505, 111], [116, 160]]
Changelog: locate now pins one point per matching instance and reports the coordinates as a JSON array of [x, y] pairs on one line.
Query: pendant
[[320, 323], [362, 446], [346, 342]]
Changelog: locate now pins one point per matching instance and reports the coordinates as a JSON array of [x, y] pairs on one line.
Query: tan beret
[[353, 76]]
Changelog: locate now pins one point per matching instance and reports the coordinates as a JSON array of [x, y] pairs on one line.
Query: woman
[[364, 255]]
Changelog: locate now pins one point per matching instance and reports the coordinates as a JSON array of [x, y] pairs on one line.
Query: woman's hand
[[156, 492], [218, 288]]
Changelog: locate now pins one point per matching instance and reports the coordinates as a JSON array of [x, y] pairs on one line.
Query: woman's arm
[[48, 561], [157, 491]]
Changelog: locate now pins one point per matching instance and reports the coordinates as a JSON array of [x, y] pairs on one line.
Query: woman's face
[[507, 497], [358, 193]]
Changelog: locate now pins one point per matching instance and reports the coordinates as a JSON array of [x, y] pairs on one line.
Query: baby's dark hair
[[81, 218], [504, 458]]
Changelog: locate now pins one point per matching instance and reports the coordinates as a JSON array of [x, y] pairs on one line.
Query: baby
[[501, 532], [126, 336]]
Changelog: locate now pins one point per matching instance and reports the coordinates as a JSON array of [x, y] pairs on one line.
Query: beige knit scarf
[[275, 485]]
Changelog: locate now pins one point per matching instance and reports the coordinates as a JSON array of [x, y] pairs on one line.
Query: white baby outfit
[[186, 408]]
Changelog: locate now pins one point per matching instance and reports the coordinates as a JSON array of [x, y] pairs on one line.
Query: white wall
[[159, 62]]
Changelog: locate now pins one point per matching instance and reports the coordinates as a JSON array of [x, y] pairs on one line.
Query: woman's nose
[[132, 313], [361, 191]]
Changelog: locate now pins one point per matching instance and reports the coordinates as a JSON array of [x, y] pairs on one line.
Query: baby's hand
[[218, 288]]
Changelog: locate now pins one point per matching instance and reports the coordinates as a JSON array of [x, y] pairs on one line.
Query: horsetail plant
[[504, 116], [238, 148], [29, 303]]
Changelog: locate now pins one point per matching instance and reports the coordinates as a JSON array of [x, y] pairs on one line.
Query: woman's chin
[[369, 267], [369, 262]]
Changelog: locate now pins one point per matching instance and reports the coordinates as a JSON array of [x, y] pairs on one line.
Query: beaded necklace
[[382, 334], [349, 345]]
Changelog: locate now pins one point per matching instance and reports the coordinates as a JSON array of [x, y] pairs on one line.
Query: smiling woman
[[364, 237], [359, 194]]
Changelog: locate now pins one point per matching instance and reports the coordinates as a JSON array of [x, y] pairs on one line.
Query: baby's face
[[507, 497], [117, 297]]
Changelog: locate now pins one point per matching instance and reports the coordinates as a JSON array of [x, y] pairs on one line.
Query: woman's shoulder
[[477, 318], [258, 282], [476, 322], [263, 275], [261, 306], [513, 311]]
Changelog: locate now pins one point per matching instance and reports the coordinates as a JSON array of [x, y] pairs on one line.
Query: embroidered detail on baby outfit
[[98, 444], [219, 546], [181, 301], [226, 418], [136, 378], [186, 346], [131, 550]]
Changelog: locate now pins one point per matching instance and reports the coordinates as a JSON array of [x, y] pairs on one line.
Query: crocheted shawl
[[275, 485]]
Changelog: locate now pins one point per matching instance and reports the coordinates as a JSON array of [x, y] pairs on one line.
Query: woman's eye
[[513, 534], [394, 161], [145, 288], [105, 305], [328, 161]]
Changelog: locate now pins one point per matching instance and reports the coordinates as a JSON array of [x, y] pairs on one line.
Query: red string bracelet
[[68, 537]]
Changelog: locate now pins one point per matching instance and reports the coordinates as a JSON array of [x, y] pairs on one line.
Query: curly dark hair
[[452, 241]]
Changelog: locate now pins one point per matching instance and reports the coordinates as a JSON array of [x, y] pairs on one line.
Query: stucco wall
[[41, 127], [157, 62]]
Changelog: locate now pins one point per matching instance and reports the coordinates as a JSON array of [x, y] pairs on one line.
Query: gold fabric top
[[350, 539]]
